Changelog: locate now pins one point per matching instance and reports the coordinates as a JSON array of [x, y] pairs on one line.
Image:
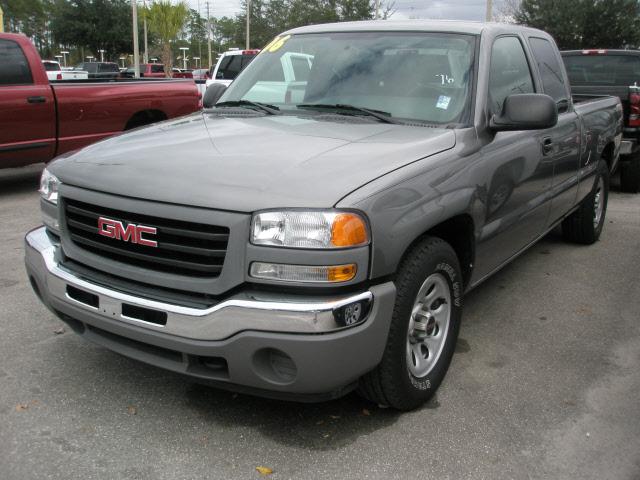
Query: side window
[[157, 68], [301, 68], [509, 72], [14, 68], [549, 67]]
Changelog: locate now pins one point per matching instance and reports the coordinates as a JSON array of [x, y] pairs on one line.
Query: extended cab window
[[550, 69], [14, 68], [509, 72]]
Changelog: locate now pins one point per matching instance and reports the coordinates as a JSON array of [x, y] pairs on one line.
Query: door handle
[[547, 146], [36, 99]]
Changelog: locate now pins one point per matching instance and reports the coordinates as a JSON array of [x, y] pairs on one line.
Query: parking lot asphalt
[[544, 384]]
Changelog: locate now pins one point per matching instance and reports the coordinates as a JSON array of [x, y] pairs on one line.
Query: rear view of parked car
[[56, 73], [612, 72], [200, 74], [100, 70]]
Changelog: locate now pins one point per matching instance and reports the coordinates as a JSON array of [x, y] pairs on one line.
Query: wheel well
[[145, 117], [607, 154], [458, 232]]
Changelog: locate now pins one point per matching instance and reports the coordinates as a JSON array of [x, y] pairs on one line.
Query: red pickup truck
[[40, 120]]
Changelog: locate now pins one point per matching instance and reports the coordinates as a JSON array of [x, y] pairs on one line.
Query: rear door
[[27, 110], [560, 143]]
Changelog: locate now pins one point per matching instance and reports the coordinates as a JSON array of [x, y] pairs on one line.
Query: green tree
[[271, 17], [29, 17], [94, 25], [167, 21], [577, 24]]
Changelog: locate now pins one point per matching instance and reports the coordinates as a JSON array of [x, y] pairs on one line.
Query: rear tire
[[585, 224], [424, 328], [630, 174]]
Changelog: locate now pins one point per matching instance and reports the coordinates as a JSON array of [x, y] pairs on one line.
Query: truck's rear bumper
[[289, 348]]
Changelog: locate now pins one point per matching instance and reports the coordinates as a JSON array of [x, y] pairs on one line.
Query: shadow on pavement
[[20, 180], [319, 426]]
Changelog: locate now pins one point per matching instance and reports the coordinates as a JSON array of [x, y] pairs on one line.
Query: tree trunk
[[167, 59]]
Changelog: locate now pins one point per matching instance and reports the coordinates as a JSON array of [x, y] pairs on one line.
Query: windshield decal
[[276, 44], [443, 102]]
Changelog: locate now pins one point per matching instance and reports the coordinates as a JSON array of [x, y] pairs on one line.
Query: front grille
[[183, 248]]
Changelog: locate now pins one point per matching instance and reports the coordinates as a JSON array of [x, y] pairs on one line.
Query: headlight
[[49, 184], [309, 229]]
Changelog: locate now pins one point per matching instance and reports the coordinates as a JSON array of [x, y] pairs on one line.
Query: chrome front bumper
[[257, 311], [277, 345]]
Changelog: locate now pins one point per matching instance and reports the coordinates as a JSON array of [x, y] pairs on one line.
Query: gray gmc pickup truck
[[314, 230]]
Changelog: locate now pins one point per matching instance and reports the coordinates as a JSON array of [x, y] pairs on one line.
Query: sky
[[439, 9]]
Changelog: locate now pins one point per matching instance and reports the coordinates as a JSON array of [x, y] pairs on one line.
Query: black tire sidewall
[[438, 257]]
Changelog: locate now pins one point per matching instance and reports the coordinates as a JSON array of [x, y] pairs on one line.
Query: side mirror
[[213, 94], [526, 111]]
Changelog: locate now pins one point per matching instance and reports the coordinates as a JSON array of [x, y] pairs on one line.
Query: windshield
[[418, 76]]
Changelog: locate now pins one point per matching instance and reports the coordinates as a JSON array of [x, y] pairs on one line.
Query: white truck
[[55, 72], [229, 65], [287, 84]]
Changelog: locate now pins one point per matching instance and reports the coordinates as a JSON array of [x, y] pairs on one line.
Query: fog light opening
[[352, 314], [275, 366]]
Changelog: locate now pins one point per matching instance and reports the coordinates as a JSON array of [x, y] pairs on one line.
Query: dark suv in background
[[104, 70]]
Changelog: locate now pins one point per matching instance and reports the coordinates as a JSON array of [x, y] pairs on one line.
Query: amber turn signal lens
[[348, 230], [341, 273]]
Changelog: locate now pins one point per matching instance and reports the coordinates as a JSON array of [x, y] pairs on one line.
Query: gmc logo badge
[[108, 227]]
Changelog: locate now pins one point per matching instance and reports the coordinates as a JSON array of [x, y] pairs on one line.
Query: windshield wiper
[[270, 109], [380, 115]]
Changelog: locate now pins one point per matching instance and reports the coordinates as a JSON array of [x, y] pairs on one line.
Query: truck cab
[[229, 65]]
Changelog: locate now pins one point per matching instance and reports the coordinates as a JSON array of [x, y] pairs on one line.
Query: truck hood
[[249, 163]]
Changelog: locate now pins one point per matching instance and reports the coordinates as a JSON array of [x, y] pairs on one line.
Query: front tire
[[424, 328], [585, 224]]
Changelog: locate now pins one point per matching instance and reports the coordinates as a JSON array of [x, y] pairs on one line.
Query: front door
[[519, 176]]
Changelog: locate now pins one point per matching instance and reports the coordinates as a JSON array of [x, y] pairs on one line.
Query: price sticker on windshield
[[276, 44]]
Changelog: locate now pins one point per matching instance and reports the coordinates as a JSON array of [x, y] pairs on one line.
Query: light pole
[[197, 59], [136, 48], [489, 16], [101, 54], [184, 56], [58, 57], [90, 57], [122, 59], [248, 23], [144, 26], [65, 53]]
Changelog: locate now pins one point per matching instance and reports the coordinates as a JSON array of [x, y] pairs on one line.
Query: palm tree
[[167, 21]]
